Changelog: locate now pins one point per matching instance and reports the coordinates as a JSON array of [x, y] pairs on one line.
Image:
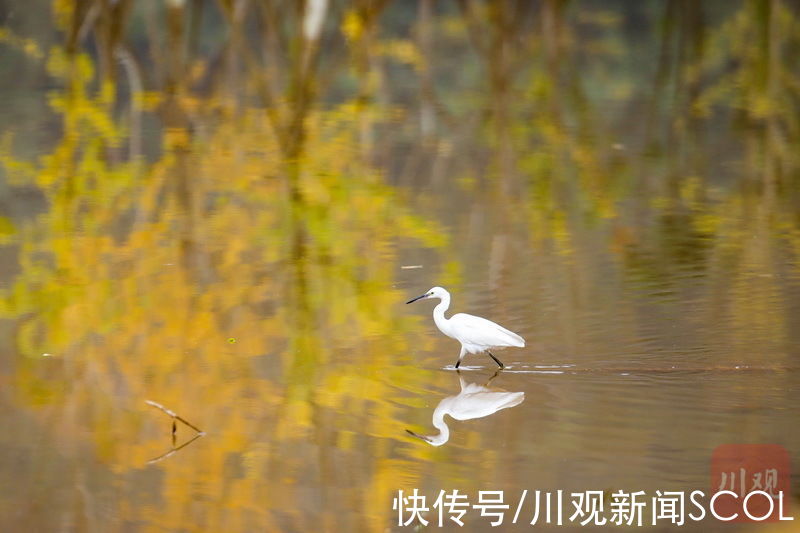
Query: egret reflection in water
[[474, 401]]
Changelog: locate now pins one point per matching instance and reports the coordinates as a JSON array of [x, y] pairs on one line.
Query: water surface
[[202, 209]]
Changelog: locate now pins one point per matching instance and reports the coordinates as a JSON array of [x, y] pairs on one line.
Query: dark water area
[[213, 213]]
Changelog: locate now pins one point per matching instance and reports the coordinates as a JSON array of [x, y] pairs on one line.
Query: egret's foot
[[458, 363], [496, 360]]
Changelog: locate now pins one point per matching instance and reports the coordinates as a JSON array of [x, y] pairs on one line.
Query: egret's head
[[435, 292]]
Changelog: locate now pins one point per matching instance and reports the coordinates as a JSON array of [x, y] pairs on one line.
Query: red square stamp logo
[[750, 483]]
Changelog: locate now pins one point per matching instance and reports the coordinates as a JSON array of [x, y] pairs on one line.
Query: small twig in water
[[174, 416]]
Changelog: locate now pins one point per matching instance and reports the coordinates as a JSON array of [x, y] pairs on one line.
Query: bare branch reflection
[[175, 449]]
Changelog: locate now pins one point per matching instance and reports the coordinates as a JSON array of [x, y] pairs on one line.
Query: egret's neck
[[439, 423], [438, 313]]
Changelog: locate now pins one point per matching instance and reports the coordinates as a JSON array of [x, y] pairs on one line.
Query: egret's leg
[[496, 360], [460, 356]]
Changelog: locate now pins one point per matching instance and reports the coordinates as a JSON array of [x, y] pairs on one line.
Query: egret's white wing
[[479, 331], [478, 405]]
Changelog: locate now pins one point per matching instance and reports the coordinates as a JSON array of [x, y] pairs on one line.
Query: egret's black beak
[[423, 437], [417, 298]]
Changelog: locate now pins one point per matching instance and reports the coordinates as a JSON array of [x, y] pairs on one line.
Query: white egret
[[475, 334], [474, 401]]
